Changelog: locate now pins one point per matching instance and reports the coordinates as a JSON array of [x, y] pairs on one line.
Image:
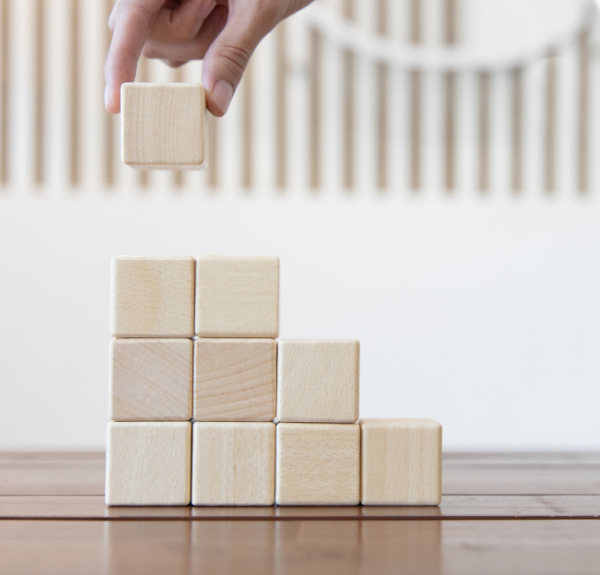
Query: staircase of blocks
[[208, 407]]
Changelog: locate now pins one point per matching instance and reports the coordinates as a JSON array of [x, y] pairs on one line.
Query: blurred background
[[424, 169]]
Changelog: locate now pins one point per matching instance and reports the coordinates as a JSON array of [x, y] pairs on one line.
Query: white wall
[[482, 314]]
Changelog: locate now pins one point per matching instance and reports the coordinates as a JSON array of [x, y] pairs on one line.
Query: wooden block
[[233, 464], [317, 464], [152, 296], [237, 296], [401, 462], [317, 380], [148, 463], [164, 126], [151, 379], [235, 379]]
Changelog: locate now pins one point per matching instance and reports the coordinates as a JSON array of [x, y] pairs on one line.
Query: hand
[[224, 33]]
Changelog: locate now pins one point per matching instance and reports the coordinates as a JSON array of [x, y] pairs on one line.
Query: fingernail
[[206, 10], [222, 94]]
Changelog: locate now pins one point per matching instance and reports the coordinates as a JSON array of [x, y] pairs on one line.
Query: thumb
[[228, 56]]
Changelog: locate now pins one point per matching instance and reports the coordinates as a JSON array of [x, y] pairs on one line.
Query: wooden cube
[[148, 463], [401, 462], [233, 464], [235, 379], [151, 379], [317, 380], [164, 126], [152, 296], [237, 296], [317, 464]]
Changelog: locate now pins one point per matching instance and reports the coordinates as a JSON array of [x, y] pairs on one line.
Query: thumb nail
[[221, 95]]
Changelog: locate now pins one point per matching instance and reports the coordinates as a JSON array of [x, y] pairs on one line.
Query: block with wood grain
[[401, 462], [317, 464], [317, 380], [235, 379], [148, 463], [164, 126], [237, 296], [152, 296], [150, 379], [233, 463]]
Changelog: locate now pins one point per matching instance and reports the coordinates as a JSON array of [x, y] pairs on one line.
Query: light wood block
[[235, 379], [401, 462], [237, 296], [317, 380], [233, 464], [152, 296], [151, 379], [148, 463], [164, 126], [317, 464]]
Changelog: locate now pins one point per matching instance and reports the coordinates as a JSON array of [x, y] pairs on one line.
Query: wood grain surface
[[152, 296], [233, 463], [150, 379], [237, 296], [164, 126], [318, 380], [401, 462], [317, 464], [235, 379]]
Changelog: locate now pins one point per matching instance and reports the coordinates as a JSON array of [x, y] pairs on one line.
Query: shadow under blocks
[[208, 407]]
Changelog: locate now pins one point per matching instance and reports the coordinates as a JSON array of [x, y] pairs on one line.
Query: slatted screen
[[309, 115]]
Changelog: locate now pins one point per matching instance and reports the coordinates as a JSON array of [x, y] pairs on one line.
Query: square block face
[[235, 379], [152, 296], [401, 462], [317, 464], [317, 380], [233, 464], [151, 379], [164, 126], [237, 296], [148, 463]]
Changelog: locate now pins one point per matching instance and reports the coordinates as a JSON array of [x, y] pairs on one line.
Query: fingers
[[132, 21], [194, 50], [228, 56], [183, 23]]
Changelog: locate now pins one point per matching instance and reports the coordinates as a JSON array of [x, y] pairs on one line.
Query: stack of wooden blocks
[[208, 408]]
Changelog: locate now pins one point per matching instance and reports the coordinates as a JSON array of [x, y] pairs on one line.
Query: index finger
[[132, 21]]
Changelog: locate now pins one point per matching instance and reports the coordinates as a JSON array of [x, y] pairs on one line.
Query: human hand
[[224, 33]]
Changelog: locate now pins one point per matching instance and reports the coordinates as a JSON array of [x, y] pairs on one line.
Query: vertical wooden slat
[[247, 127], [74, 79], [483, 179], [516, 152], [583, 113], [415, 35], [348, 87], [4, 89], [549, 135], [450, 38], [315, 110], [382, 75], [40, 64], [280, 113]]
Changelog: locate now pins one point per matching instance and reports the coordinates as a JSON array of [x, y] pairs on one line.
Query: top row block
[[153, 296]]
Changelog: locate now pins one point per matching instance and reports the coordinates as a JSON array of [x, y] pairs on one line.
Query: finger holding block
[[151, 379], [237, 296], [233, 464], [317, 464], [317, 380], [148, 463], [152, 296], [401, 462], [164, 126], [235, 379]]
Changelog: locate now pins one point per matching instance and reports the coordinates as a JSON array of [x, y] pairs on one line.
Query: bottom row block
[[398, 462]]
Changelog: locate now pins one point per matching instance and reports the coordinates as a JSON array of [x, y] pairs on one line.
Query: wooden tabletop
[[504, 513]]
